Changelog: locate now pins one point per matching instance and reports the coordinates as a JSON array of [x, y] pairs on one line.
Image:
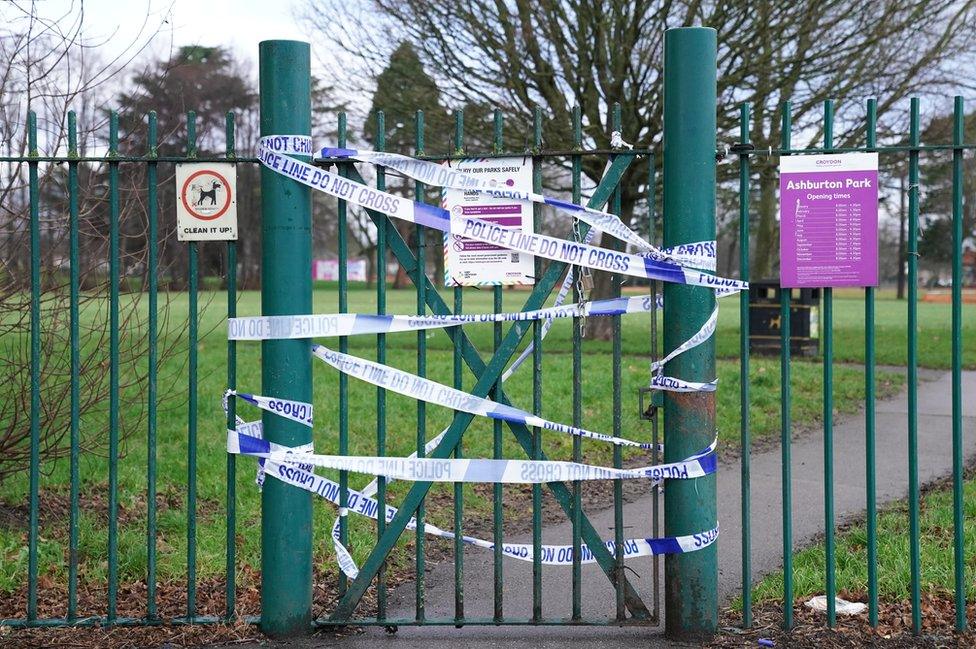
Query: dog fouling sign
[[206, 202]]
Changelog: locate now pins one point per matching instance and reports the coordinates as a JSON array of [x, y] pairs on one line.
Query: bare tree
[[592, 54], [46, 66]]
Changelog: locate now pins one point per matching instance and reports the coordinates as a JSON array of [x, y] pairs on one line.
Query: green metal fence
[[629, 606], [910, 152]]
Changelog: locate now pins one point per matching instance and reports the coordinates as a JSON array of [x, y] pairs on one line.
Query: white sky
[[238, 25]]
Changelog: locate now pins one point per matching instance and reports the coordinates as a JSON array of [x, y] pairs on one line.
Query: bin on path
[[764, 319]]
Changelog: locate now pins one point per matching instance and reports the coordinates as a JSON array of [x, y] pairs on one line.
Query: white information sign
[[206, 201], [476, 263]]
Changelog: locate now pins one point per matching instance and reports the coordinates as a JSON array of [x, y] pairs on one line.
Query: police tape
[[362, 503], [294, 410], [696, 255], [424, 389], [427, 469], [354, 324], [273, 154]]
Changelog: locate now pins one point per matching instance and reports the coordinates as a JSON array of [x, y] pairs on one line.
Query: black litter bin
[[765, 321]]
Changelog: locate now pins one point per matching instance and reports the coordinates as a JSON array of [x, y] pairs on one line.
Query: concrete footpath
[[935, 461]]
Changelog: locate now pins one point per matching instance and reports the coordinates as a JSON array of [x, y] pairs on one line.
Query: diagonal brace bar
[[487, 377], [521, 432]]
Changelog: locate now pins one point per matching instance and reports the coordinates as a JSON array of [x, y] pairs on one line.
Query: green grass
[[557, 391], [894, 568]]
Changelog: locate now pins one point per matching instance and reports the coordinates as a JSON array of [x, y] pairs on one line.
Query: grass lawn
[[894, 568], [557, 390]]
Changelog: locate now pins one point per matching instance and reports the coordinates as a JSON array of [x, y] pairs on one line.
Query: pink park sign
[[829, 220]]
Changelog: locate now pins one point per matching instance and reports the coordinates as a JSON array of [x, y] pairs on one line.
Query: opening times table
[[829, 220]]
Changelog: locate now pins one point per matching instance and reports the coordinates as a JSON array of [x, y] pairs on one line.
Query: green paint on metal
[[193, 291], [381, 255], [691, 580], [828, 411], [869, 415], [343, 252], [35, 368], [420, 539], [958, 458], [230, 571], [152, 383], [786, 424], [914, 496], [744, 438], [577, 165], [458, 450], [537, 384], [75, 346], [286, 371], [113, 404]]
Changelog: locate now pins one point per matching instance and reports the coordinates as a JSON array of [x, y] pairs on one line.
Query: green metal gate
[[629, 606]]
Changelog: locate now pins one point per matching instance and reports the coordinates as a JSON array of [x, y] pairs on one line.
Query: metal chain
[[584, 281]]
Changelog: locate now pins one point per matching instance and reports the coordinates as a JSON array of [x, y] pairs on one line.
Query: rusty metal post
[[690, 579]]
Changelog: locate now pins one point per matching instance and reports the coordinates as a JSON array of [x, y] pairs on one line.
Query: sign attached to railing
[[476, 263], [206, 201], [829, 220]]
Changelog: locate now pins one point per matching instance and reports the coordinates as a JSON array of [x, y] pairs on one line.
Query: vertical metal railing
[[458, 367], [828, 409], [914, 496], [113, 396], [35, 367], [616, 387], [75, 345], [577, 338], [537, 385], [786, 418], [744, 439], [958, 459], [381, 254], [193, 316], [869, 414], [496, 425], [420, 282], [342, 248], [152, 384], [230, 588]]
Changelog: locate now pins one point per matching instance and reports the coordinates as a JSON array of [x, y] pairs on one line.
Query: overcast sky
[[238, 25]]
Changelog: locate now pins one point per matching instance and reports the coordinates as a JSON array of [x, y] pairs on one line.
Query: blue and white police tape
[[424, 389], [294, 410], [362, 503], [671, 384], [354, 324], [273, 154], [697, 255], [474, 469]]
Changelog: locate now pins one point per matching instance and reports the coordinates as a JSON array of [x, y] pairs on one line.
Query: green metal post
[[286, 371], [690, 580], [744, 433]]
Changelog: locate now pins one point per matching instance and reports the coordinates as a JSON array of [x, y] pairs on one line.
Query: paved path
[[935, 460]]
